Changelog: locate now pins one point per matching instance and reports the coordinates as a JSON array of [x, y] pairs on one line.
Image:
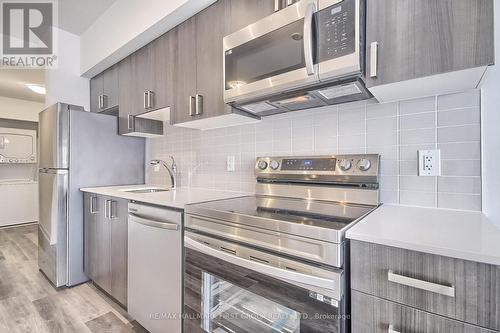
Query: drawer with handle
[[454, 288], [374, 315]]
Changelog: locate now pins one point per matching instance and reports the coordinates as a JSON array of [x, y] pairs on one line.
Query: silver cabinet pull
[[199, 104], [104, 103], [145, 99], [392, 330], [374, 59], [112, 209], [130, 122], [420, 284], [190, 105], [106, 209], [99, 102], [93, 202], [277, 5], [308, 38], [150, 98]]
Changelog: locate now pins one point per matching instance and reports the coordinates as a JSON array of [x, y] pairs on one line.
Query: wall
[[490, 130], [64, 83], [11, 108], [395, 130], [128, 25]]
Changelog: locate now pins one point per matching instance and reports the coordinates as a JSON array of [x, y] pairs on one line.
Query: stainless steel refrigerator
[[77, 149]]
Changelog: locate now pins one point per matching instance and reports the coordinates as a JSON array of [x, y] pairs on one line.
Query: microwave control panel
[[337, 30]]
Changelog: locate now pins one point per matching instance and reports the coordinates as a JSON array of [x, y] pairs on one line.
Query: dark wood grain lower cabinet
[[476, 286], [374, 315], [119, 250], [106, 244]]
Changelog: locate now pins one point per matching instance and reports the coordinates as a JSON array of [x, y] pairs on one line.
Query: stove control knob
[[345, 165], [274, 165], [262, 165], [364, 164]]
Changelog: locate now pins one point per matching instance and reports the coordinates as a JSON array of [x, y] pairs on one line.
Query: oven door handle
[[296, 278], [308, 38]]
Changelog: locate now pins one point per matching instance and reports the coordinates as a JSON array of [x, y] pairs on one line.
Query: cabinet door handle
[[104, 103], [130, 122], [106, 210], [145, 99], [151, 96], [199, 104], [112, 209], [277, 5], [420, 284], [392, 330], [99, 102], [374, 59], [190, 105], [93, 202]]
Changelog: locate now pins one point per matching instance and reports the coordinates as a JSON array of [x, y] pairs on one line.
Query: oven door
[[224, 292], [271, 55]]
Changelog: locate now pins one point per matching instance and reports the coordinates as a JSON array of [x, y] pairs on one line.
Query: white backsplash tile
[[459, 133], [418, 121], [417, 106], [459, 117], [471, 98], [394, 130], [418, 136]]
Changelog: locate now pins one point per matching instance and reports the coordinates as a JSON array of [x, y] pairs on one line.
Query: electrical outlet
[[429, 163], [230, 165]]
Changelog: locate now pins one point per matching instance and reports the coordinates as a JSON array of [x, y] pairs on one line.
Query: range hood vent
[[337, 93]]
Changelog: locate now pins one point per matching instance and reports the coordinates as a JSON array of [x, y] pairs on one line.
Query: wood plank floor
[[29, 303]]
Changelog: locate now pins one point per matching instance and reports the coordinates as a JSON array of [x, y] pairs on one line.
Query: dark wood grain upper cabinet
[[96, 91], [185, 85], [199, 65], [143, 75], [104, 90], [127, 96], [164, 60], [210, 30], [110, 87], [420, 38]]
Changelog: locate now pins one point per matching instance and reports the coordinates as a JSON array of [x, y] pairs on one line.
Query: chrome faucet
[[172, 169]]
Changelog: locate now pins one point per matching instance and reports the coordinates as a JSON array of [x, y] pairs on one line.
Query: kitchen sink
[[148, 190]]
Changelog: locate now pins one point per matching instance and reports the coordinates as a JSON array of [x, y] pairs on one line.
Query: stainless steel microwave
[[308, 54]]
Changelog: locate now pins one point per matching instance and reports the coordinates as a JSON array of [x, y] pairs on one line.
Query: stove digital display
[[316, 164]]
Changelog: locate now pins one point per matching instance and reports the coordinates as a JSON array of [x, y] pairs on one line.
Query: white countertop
[[177, 198], [452, 233]]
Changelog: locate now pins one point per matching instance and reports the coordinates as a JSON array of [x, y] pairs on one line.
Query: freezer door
[[53, 203], [54, 137], [52, 227]]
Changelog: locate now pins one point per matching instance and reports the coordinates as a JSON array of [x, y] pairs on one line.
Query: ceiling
[[12, 83], [76, 16]]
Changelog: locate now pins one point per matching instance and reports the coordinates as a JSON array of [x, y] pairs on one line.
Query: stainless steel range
[[278, 261]]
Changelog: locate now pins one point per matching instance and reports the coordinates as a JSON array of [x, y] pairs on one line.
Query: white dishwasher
[[155, 267]]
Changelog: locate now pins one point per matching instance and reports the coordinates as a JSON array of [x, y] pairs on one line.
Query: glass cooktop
[[249, 209]]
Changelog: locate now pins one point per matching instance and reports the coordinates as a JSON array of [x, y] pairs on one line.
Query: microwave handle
[[308, 38], [279, 273]]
